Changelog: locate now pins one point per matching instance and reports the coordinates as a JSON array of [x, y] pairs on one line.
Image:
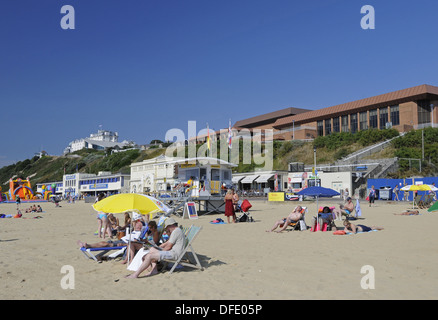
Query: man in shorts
[[344, 209], [171, 249]]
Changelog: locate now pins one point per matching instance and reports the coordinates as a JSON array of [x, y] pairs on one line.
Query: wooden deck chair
[[190, 236]]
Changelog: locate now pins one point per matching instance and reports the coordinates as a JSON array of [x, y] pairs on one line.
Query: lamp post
[[314, 164]]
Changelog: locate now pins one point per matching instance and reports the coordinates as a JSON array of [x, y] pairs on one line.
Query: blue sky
[[142, 67]]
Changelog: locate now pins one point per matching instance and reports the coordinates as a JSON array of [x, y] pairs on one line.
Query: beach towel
[[358, 211], [218, 221], [342, 232]]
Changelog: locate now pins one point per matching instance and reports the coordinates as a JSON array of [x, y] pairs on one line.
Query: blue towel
[[361, 232]]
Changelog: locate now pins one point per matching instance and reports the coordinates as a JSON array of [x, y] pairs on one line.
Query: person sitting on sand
[[39, 209], [171, 249], [408, 213], [294, 216], [352, 228]]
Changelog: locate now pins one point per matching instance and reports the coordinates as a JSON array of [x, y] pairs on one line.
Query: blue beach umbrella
[[318, 192]]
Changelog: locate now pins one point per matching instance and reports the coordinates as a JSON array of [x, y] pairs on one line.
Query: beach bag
[[302, 225], [245, 206]]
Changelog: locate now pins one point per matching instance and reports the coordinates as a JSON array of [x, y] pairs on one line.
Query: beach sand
[[242, 261]]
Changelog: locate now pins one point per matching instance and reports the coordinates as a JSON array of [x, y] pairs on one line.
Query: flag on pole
[[229, 134]]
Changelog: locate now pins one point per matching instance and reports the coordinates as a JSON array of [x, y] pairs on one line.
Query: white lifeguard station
[[175, 181]]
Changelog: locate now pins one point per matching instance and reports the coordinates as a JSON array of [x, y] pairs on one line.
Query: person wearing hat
[[171, 249]]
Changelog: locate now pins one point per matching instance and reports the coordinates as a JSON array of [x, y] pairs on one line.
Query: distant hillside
[[329, 149], [52, 168]]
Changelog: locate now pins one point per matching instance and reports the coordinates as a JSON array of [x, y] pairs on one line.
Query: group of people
[[34, 208], [147, 259], [231, 205], [327, 215]]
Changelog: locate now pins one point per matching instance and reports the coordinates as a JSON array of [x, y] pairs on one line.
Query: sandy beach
[[242, 261]]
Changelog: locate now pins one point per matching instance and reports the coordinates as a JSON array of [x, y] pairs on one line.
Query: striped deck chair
[[190, 236]]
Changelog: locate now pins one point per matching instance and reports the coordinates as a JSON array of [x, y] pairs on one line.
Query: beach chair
[[428, 199], [418, 201], [191, 235], [89, 252]]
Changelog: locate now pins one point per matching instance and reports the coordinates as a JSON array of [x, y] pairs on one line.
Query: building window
[[353, 122], [363, 121], [328, 126], [336, 124], [344, 124], [373, 119], [320, 128], [395, 115], [423, 111], [383, 116]]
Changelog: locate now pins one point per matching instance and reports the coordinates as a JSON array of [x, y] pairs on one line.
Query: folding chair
[[418, 202], [428, 201], [189, 238]]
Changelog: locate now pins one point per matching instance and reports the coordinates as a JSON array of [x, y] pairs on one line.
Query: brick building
[[404, 110]]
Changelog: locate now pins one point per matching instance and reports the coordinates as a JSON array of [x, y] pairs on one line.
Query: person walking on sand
[[372, 195], [396, 191]]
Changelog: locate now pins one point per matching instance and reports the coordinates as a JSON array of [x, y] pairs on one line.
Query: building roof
[[105, 144], [269, 117], [415, 93]]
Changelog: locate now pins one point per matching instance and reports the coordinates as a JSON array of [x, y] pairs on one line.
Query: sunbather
[[408, 213], [352, 228], [171, 249], [327, 217], [102, 244], [294, 216], [345, 209]]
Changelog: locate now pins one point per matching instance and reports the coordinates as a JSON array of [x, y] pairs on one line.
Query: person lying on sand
[[408, 213], [102, 244], [352, 228]]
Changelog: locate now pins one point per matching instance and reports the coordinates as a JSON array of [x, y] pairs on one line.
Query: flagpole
[[208, 141], [229, 135]]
